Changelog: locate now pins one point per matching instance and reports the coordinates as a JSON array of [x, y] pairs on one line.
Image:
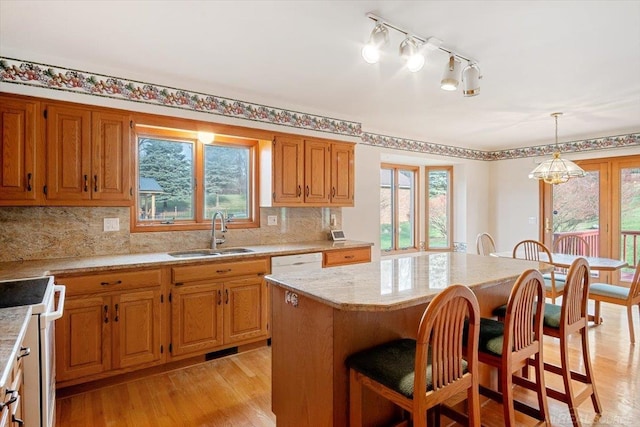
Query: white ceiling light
[[557, 170], [379, 37], [471, 80], [410, 50], [451, 74]]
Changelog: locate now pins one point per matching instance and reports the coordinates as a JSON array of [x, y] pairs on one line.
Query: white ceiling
[[537, 57]]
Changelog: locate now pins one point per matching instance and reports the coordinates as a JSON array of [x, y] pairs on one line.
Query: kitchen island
[[321, 317]]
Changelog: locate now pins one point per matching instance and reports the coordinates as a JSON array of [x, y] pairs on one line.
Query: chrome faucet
[[223, 229]]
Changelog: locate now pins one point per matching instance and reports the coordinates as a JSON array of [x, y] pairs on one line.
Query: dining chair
[[569, 244], [532, 250], [620, 295], [485, 244], [562, 322], [508, 346], [436, 356]]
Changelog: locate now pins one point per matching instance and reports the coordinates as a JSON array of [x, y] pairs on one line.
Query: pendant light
[[557, 170]]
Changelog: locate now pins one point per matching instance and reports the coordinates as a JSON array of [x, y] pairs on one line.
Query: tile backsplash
[[28, 233]]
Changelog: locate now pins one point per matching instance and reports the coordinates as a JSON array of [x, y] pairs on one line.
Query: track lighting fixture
[[412, 51], [451, 73], [379, 37]]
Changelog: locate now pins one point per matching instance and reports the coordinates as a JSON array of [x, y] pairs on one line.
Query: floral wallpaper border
[[28, 73]]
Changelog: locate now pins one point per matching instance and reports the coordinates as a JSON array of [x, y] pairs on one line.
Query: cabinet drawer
[[115, 281], [346, 256], [218, 270]]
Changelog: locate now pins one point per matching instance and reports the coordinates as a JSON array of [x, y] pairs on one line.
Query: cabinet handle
[[12, 399], [24, 352], [349, 256], [299, 191], [219, 297], [115, 282], [106, 314], [86, 184], [333, 191], [226, 296], [223, 271], [117, 313], [307, 191], [95, 183], [18, 421], [29, 181]]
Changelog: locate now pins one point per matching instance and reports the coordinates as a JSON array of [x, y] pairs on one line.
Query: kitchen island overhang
[[321, 317]]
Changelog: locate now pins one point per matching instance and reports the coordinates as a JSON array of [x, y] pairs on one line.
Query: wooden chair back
[[575, 298], [534, 250], [485, 244], [441, 329], [572, 245]]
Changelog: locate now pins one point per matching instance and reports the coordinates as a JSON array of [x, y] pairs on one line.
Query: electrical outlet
[[333, 220], [272, 220], [111, 224]]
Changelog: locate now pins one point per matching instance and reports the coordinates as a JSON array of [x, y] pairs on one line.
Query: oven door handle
[[50, 317]]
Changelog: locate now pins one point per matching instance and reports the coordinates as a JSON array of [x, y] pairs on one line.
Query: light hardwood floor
[[236, 390]]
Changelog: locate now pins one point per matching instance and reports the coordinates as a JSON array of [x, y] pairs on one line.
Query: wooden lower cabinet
[[346, 256], [12, 394], [215, 310], [112, 332]]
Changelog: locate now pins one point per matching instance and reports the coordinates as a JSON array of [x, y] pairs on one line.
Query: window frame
[[416, 211], [450, 209], [189, 134]]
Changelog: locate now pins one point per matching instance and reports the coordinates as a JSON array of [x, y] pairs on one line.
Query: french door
[[603, 208]]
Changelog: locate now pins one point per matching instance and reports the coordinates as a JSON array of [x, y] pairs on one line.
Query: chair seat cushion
[[551, 314], [559, 285], [392, 364], [491, 336], [608, 290], [559, 277]]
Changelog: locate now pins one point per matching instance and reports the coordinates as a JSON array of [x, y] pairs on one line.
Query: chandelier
[[557, 170]]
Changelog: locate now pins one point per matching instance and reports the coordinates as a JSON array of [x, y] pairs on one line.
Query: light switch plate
[[272, 220], [111, 224]]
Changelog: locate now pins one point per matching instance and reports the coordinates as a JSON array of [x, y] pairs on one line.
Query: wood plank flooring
[[236, 390]]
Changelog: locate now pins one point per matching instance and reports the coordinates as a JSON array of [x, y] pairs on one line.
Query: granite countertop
[[393, 284], [37, 268], [13, 326]]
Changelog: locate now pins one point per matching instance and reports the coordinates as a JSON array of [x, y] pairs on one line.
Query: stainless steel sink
[[208, 252]]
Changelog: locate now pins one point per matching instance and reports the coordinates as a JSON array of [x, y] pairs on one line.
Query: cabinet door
[[83, 342], [288, 170], [317, 172], [18, 149], [245, 309], [68, 138], [196, 318], [111, 156], [342, 174], [136, 328]]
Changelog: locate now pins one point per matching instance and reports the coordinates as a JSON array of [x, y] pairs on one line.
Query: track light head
[[379, 37], [410, 50], [450, 76], [471, 80]]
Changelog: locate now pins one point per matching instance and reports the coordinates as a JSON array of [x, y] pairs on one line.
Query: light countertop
[[36, 268], [13, 326], [393, 284]]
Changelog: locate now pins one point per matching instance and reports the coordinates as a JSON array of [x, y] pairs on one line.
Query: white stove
[[39, 367]]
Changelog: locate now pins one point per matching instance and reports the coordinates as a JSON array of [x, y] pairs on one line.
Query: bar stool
[[436, 355], [561, 322], [509, 345]]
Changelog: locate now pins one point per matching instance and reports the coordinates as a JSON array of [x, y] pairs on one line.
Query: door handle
[[547, 225]]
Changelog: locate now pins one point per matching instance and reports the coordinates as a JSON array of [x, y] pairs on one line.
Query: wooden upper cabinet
[[111, 156], [288, 170], [342, 174], [313, 172], [18, 139], [317, 172], [88, 154]]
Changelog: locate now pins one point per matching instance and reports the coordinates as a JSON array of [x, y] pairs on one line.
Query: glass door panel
[[627, 238]]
